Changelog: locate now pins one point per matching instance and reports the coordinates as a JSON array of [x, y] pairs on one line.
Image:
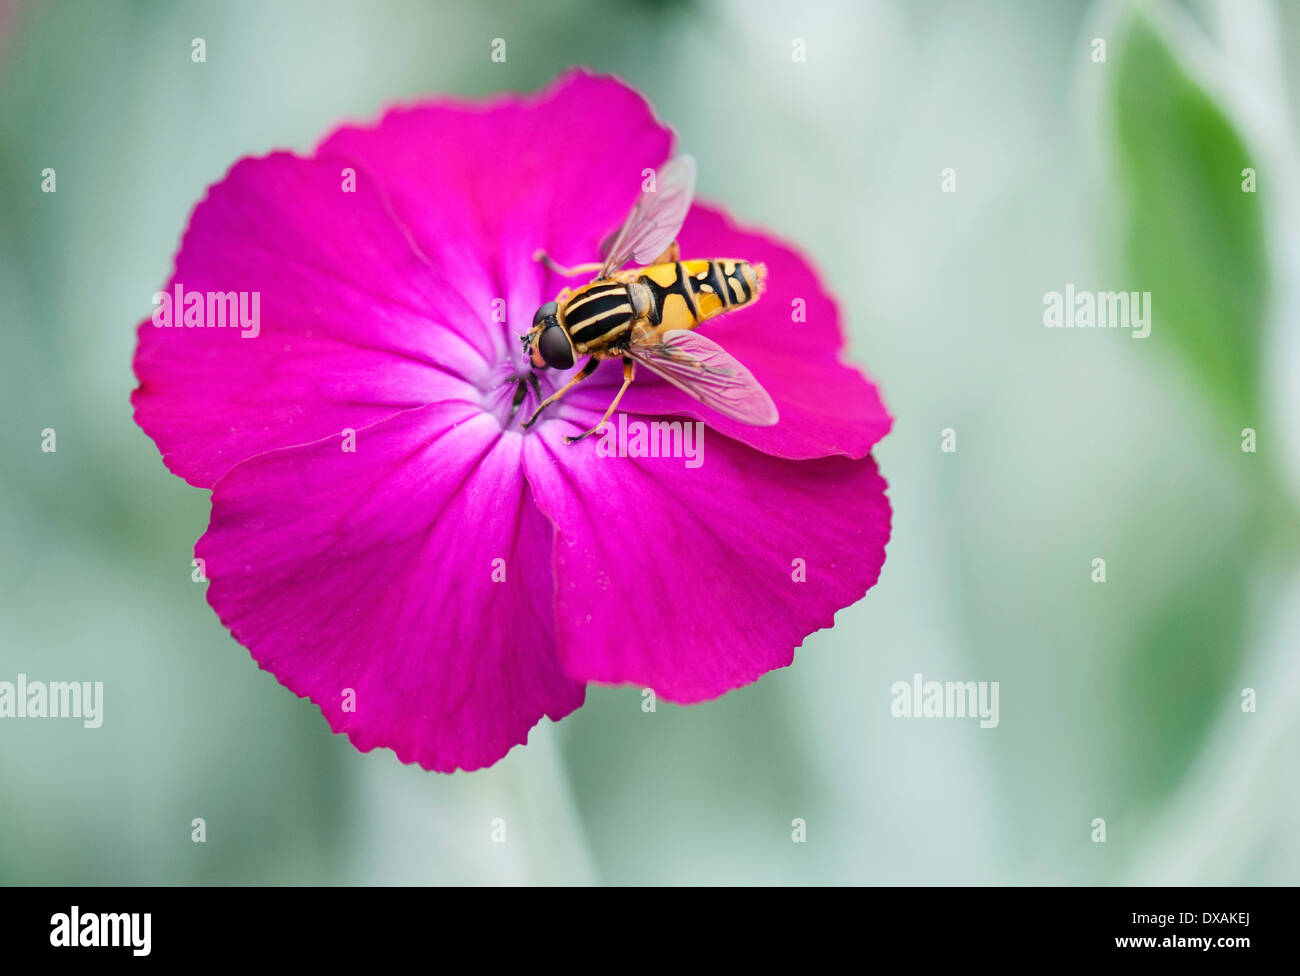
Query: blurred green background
[[1119, 700]]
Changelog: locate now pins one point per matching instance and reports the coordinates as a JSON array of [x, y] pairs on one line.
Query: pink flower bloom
[[450, 579]]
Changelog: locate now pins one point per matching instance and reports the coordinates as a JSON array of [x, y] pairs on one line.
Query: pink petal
[[826, 406], [372, 571], [353, 323], [483, 187], [681, 579]]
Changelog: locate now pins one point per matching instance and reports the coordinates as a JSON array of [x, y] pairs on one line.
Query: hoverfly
[[647, 314]]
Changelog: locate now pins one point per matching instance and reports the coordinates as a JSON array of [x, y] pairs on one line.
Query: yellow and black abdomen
[[686, 293]]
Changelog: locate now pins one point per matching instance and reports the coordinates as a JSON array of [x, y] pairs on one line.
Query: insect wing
[[655, 219], [706, 371]]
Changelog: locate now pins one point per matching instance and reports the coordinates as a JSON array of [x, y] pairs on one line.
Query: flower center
[[512, 392]]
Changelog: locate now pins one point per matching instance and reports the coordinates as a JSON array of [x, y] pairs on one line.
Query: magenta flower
[[386, 539]]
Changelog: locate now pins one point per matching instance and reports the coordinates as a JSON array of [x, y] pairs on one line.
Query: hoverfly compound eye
[[555, 347], [545, 312]]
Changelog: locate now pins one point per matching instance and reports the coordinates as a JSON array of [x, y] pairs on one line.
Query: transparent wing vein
[[655, 219], [700, 367]]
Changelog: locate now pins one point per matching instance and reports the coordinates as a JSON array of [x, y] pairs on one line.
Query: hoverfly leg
[[566, 272], [582, 374], [521, 391], [629, 372]]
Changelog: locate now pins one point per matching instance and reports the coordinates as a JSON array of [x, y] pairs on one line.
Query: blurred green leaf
[[1191, 236], [1195, 241]]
